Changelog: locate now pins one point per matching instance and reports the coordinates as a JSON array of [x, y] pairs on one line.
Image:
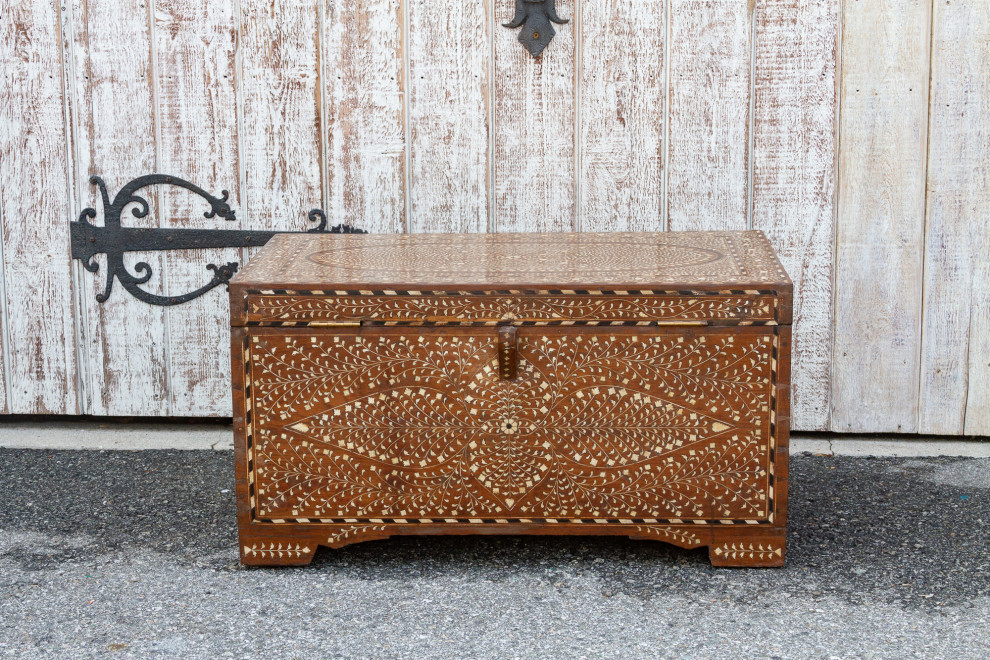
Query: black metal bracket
[[536, 18], [114, 240]]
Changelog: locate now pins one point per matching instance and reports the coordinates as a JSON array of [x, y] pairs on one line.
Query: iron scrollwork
[[115, 240], [536, 17]]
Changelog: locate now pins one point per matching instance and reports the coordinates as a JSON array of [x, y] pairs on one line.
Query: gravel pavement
[[133, 555]]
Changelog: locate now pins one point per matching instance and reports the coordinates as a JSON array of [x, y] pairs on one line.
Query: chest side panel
[[599, 425]]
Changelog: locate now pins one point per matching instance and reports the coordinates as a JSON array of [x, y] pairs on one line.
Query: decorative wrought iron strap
[[114, 240], [535, 17]]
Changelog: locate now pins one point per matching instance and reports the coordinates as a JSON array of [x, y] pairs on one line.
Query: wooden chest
[[609, 384]]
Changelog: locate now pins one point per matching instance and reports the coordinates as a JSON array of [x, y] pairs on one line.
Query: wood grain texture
[[708, 150], [632, 262], [195, 50], [279, 95], [794, 178], [881, 215], [978, 394], [363, 85], [534, 128], [449, 63], [114, 136], [34, 210], [955, 374], [622, 105]]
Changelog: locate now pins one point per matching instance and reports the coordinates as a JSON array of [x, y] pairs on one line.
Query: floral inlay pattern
[[420, 309], [662, 426], [276, 550], [748, 550], [348, 533], [676, 535]]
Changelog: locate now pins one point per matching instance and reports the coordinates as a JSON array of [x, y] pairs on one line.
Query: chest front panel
[[599, 424]]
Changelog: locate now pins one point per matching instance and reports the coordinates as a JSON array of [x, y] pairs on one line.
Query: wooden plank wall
[[39, 348], [534, 127], [623, 90], [880, 244], [912, 302], [199, 40], [450, 67], [112, 104], [362, 87], [955, 355], [401, 115], [793, 189], [710, 94]]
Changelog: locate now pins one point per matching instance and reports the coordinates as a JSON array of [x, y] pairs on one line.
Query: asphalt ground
[[133, 555]]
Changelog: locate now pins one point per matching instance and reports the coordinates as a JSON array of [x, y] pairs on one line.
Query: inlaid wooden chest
[[609, 384]]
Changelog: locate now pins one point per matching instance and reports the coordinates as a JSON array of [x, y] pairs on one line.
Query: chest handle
[[508, 354]]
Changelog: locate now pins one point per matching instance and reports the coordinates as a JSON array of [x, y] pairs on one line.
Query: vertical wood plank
[[978, 394], [363, 84], [449, 60], [279, 83], [794, 179], [195, 45], [534, 128], [709, 107], [114, 137], [881, 215], [622, 94], [34, 211], [955, 352]]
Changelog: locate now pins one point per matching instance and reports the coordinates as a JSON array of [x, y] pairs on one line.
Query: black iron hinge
[[115, 240], [536, 17]]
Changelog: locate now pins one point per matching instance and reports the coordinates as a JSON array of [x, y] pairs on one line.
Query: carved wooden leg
[[681, 536], [295, 545], [748, 550], [339, 536], [260, 549]]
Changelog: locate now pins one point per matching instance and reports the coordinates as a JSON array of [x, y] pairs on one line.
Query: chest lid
[[739, 266]]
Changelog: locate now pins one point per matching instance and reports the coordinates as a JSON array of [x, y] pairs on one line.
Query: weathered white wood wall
[[912, 303], [855, 134]]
